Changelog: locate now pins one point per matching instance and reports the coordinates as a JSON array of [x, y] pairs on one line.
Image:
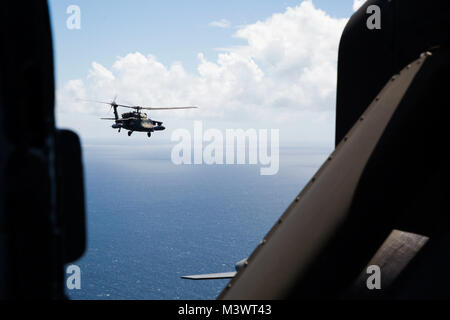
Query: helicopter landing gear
[[149, 134], [129, 133], [119, 130]]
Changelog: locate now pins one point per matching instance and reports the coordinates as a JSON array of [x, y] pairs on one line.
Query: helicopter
[[136, 120]]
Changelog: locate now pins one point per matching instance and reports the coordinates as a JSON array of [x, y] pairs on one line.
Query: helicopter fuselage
[[136, 121], [138, 125]]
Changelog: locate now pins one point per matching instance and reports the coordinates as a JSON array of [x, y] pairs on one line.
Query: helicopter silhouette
[[136, 120]]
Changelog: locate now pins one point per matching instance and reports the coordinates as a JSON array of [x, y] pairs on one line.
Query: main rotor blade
[[130, 107], [107, 118], [138, 107], [163, 108], [108, 103]]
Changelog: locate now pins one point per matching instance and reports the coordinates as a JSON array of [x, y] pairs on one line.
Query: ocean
[[150, 222]]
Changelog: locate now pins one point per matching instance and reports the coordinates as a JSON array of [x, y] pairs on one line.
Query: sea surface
[[150, 221]]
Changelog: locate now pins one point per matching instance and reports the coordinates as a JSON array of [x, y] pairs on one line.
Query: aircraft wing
[[211, 276]]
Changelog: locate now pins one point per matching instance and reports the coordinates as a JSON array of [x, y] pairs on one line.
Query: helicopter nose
[[159, 128]]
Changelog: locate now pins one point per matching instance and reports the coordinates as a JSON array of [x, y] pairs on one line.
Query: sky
[[246, 64]]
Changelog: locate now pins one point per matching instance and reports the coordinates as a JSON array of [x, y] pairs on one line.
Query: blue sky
[[172, 30], [116, 37]]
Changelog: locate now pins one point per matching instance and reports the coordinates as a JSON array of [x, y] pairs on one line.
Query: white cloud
[[287, 71], [67, 97], [357, 4], [222, 23]]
